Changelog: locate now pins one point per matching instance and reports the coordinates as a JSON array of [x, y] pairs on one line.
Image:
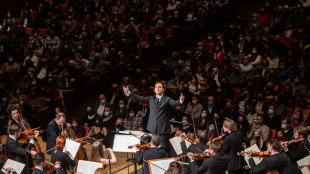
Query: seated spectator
[[273, 121], [258, 140], [287, 129], [89, 117], [299, 88], [194, 108], [78, 129], [133, 121], [246, 67], [121, 111], [259, 124]]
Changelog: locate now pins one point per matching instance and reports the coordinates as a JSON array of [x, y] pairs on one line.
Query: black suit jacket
[[53, 132], [296, 154], [15, 152], [150, 154], [217, 164], [231, 145], [39, 171], [158, 122], [66, 161], [274, 162]]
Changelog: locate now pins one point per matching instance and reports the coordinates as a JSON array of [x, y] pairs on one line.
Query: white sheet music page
[[254, 148], [176, 144], [303, 162], [158, 166], [121, 143], [88, 167], [72, 147], [17, 166]]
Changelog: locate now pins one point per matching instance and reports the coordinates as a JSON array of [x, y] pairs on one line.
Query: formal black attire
[[217, 164], [15, 152], [158, 122], [231, 145], [66, 161], [296, 153], [274, 162], [53, 131], [150, 154], [40, 171]]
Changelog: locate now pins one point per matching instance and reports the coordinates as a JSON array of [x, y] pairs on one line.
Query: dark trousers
[[165, 144], [240, 171]]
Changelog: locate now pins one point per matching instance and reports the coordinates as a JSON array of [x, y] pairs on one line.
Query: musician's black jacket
[[66, 161], [217, 164], [150, 154], [15, 152], [39, 171], [53, 132], [296, 153], [274, 162]]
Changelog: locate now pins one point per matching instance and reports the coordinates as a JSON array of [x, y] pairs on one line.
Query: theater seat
[[288, 112], [236, 93], [272, 133]]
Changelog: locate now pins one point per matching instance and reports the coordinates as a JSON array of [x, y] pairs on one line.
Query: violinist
[[97, 153], [65, 158], [40, 163], [276, 161], [13, 149], [54, 129], [217, 164], [297, 151], [152, 153]]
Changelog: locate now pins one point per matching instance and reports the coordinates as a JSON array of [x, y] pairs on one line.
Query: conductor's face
[[159, 89]]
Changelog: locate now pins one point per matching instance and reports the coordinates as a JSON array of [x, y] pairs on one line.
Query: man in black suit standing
[[217, 164], [231, 145], [276, 162], [54, 129], [159, 104], [17, 153], [40, 164], [297, 152], [152, 153]]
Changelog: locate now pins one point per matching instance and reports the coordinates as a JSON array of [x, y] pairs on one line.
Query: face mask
[[203, 115], [254, 51], [106, 113], [245, 62], [209, 38], [259, 121], [211, 129], [74, 124], [296, 80], [121, 106], [219, 37], [283, 126], [66, 46], [200, 48], [296, 117], [102, 101], [257, 138], [33, 83], [77, 59], [131, 114], [270, 111], [194, 102], [215, 69], [240, 121], [241, 38], [210, 102], [18, 92]]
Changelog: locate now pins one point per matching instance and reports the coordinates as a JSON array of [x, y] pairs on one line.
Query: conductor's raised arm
[[134, 96]]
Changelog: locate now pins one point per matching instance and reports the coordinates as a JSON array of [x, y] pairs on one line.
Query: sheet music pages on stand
[[255, 148], [88, 167], [17, 166], [121, 143], [159, 166], [176, 144], [303, 162], [72, 147]]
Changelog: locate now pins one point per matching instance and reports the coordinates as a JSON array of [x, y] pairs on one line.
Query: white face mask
[[102, 101], [270, 111], [254, 51], [194, 101], [121, 106], [203, 115]]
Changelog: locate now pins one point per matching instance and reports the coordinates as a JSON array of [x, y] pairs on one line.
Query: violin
[[256, 154], [24, 136], [189, 140], [49, 167], [201, 156], [299, 140], [219, 138], [141, 146]]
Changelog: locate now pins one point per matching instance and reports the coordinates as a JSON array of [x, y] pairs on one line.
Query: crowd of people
[[255, 72]]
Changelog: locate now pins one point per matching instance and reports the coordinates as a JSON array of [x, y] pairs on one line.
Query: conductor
[[160, 105]]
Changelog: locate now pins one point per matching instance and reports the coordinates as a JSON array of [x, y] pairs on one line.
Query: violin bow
[[216, 126], [155, 165]]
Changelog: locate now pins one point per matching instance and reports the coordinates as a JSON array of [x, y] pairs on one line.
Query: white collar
[[274, 153], [13, 138], [39, 168], [160, 96]]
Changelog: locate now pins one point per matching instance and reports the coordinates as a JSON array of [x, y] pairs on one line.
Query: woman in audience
[[258, 140]]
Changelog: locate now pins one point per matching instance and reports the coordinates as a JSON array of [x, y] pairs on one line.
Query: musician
[[158, 122], [153, 153], [231, 145], [15, 116], [276, 161], [65, 158], [54, 129], [13, 149], [40, 164], [217, 164], [97, 153], [297, 152]]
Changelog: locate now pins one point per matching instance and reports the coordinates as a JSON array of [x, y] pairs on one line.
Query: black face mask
[[257, 138]]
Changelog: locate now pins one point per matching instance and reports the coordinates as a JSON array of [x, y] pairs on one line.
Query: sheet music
[[164, 164], [88, 167], [72, 147], [255, 148], [176, 144], [17, 166], [136, 133], [121, 143], [303, 162]]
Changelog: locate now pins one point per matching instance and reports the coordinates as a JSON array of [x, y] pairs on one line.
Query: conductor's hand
[[126, 90], [182, 98]]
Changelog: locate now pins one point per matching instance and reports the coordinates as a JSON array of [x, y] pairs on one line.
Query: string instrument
[[24, 136], [297, 141], [201, 156], [188, 139], [219, 138], [141, 146], [49, 167], [3, 156], [300, 167], [256, 154]]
